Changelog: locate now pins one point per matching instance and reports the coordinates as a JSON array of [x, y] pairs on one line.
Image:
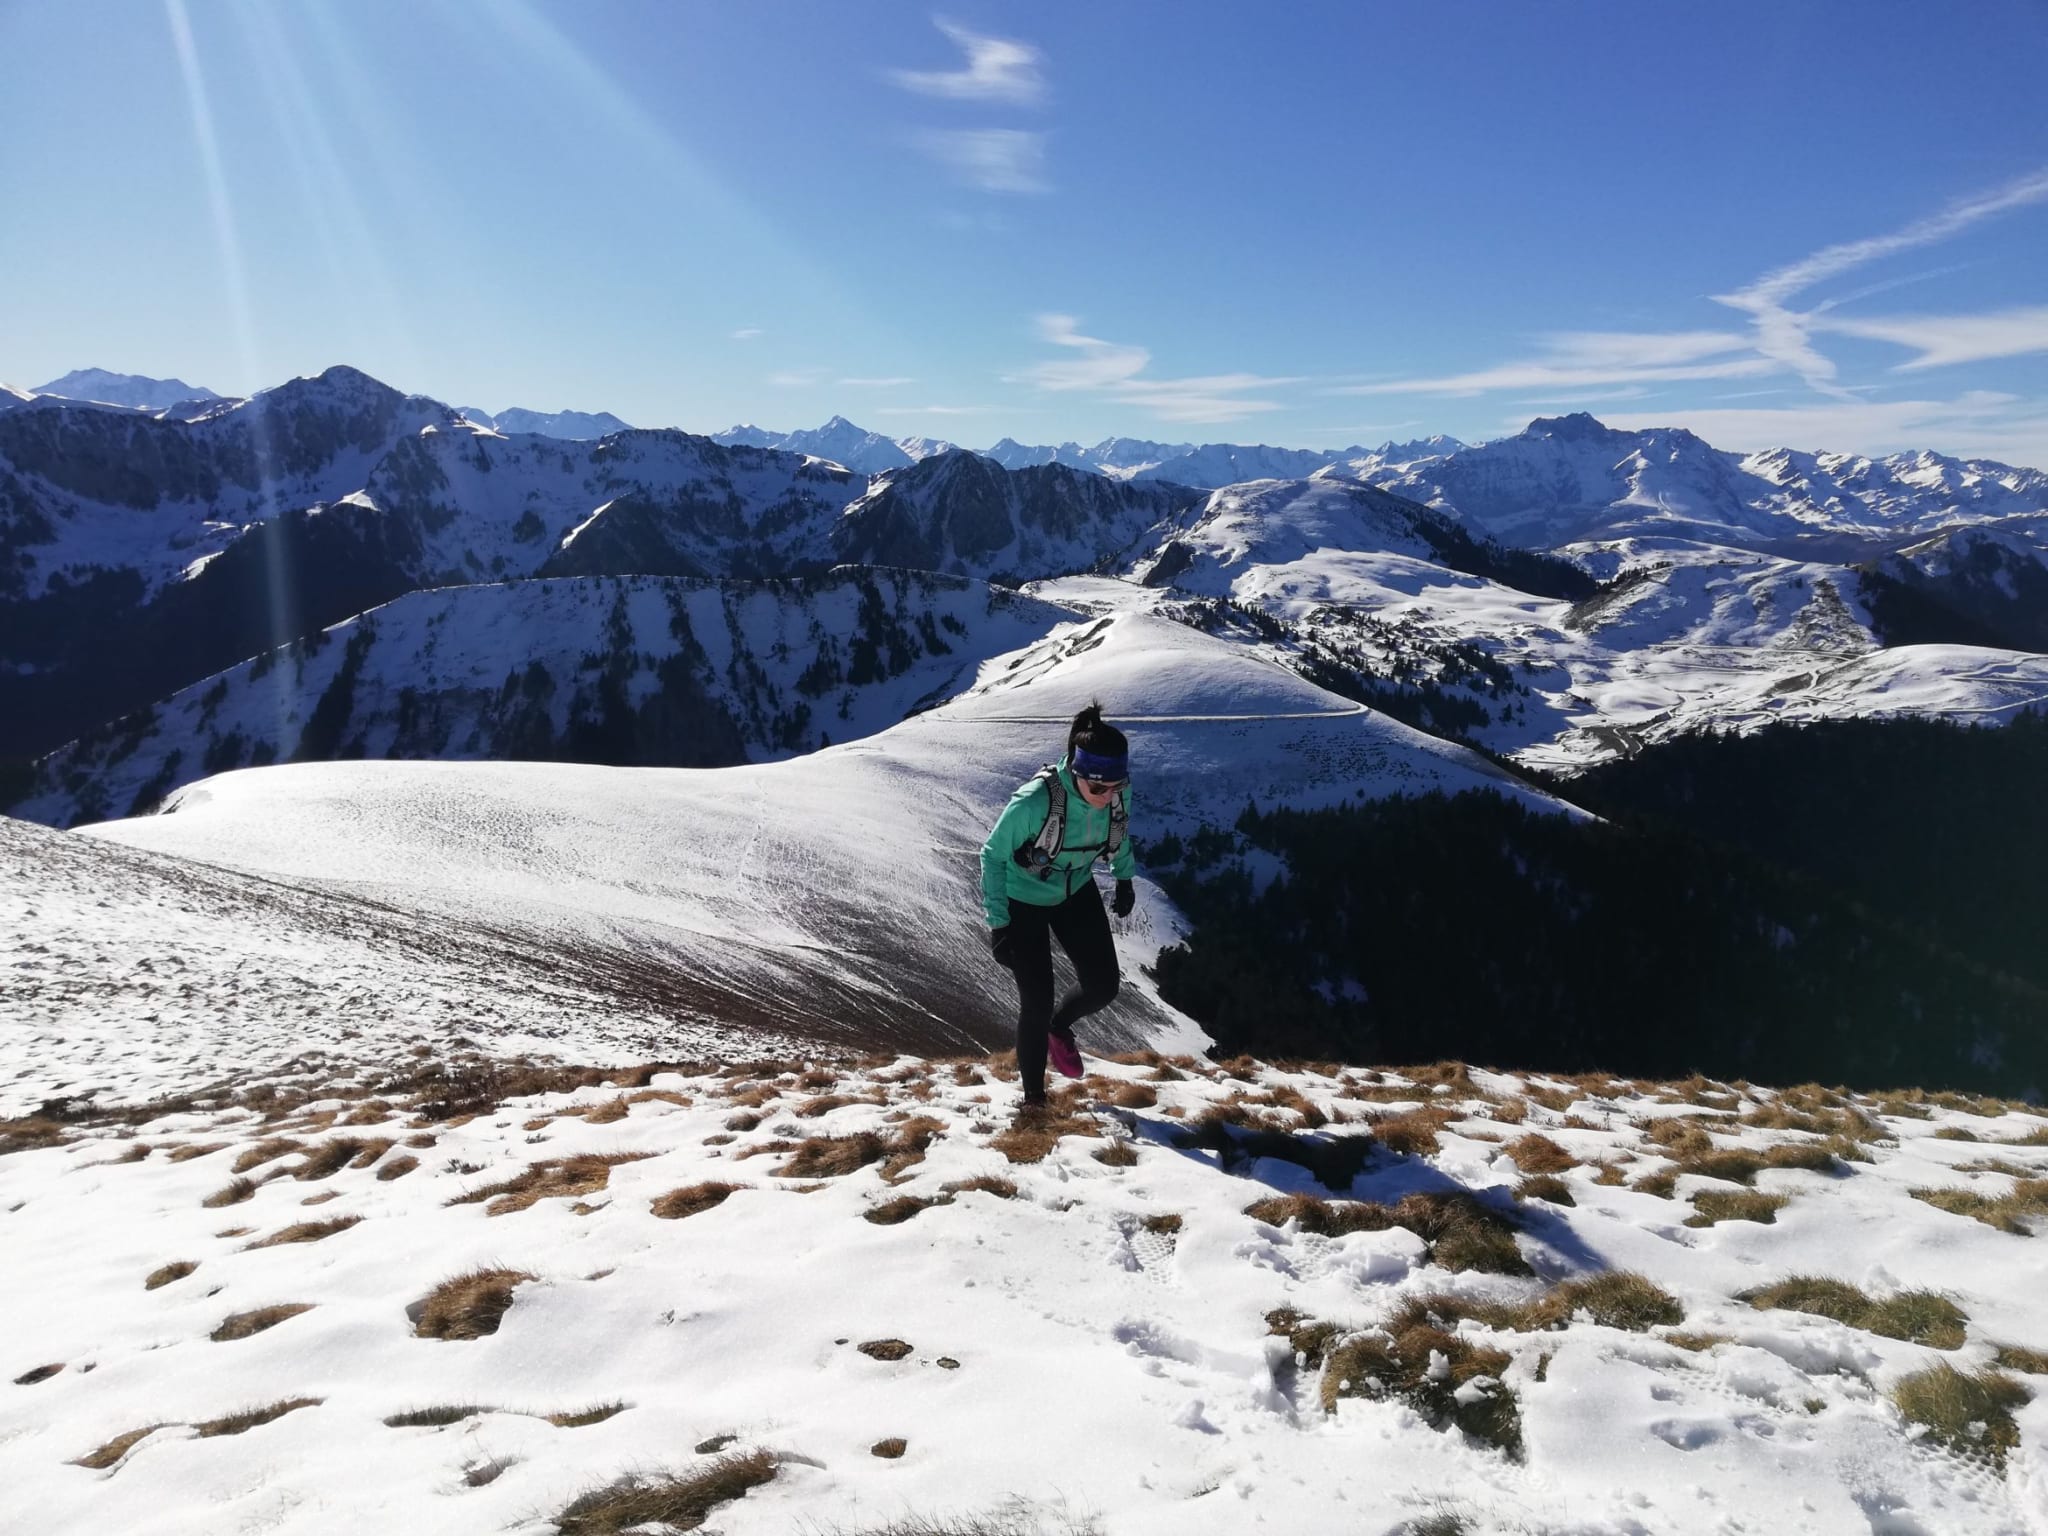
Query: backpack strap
[[1038, 854]]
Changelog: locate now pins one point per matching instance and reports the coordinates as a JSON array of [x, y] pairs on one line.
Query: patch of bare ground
[[469, 1306], [305, 1232], [165, 1274], [2016, 1211], [243, 1325], [1462, 1233], [1918, 1317], [555, 1178], [677, 1501], [884, 1349], [693, 1199], [1964, 1411], [40, 1373], [250, 1418]]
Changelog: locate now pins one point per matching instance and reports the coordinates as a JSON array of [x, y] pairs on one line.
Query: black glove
[[1125, 899], [1003, 945]]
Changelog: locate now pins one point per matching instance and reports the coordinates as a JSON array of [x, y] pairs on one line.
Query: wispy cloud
[[1783, 334], [1979, 423], [875, 383], [1945, 339], [797, 378], [1001, 69], [936, 410], [1117, 370], [746, 333], [992, 159], [1592, 360]]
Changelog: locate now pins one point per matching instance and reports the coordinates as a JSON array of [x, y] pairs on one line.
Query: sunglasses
[[1101, 786]]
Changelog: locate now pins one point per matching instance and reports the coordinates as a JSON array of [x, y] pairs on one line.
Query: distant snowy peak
[[855, 448], [1202, 467], [129, 389], [575, 425]]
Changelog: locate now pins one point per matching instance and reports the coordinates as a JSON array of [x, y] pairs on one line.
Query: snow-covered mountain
[[1206, 466], [569, 424], [621, 670], [131, 389], [1572, 478], [862, 451]]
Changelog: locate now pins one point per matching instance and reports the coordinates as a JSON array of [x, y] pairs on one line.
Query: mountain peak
[[1578, 427]]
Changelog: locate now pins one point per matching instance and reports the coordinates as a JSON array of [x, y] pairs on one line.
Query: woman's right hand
[[999, 943]]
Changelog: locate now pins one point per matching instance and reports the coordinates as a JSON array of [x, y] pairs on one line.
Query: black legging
[[1083, 929]]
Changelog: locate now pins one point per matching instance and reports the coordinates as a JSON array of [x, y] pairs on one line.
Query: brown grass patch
[[1118, 1154], [1697, 1343], [305, 1232], [468, 1306], [40, 1373], [29, 1132], [1545, 1186], [242, 1325], [604, 1113], [666, 1499], [1415, 1133], [267, 1150], [1401, 1363], [1462, 1233], [167, 1273], [250, 1418], [1711, 1206], [2018, 1357], [437, 1418], [110, 1453], [692, 1199], [398, 1167], [1964, 1412], [556, 1178], [1030, 1138], [186, 1153], [884, 1349], [987, 1183], [1660, 1183], [582, 1417], [889, 1449], [330, 1157], [234, 1192], [1536, 1153], [1918, 1317], [2015, 1211], [1135, 1096], [891, 1213]]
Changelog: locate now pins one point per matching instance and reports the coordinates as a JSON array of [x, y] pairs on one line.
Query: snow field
[[1100, 1363]]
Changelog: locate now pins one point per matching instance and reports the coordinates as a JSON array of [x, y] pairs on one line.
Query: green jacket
[[1004, 880]]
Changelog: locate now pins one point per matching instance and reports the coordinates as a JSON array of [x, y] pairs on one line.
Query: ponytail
[[1101, 742]]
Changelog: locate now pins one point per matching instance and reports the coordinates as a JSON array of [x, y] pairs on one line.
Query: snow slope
[[1081, 1339], [130, 389], [834, 897]]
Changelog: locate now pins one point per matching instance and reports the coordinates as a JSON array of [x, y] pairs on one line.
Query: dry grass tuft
[[398, 1167], [1462, 1233], [1964, 1412], [1660, 1183], [249, 1418], [1618, 1298], [1918, 1317], [186, 1153], [167, 1273], [884, 1349], [234, 1192], [892, 1213], [267, 1150], [1118, 1154], [1711, 1206], [665, 1499], [242, 1325], [1135, 1096], [469, 1306], [889, 1449], [305, 1232], [40, 1373], [1698, 1343], [30, 1132], [330, 1157], [693, 1199], [987, 1183], [1163, 1223], [1443, 1376], [555, 1178], [1414, 1134], [110, 1453], [1545, 1186], [1029, 1139], [2014, 1211], [2018, 1357], [581, 1417], [437, 1418], [1539, 1154]]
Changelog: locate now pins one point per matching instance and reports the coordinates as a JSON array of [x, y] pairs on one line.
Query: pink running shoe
[[1064, 1055]]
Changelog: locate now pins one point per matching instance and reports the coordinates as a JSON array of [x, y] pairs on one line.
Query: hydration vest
[[1038, 854]]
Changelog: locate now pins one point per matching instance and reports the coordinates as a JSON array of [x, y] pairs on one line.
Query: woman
[[1037, 881]]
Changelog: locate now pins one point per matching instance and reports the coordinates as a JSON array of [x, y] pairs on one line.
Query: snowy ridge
[[569, 424], [130, 389], [626, 669], [1175, 1325]]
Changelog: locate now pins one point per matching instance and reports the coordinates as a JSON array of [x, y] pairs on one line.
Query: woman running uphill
[[1037, 881]]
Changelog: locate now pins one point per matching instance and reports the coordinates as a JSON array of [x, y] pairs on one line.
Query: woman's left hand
[[1125, 899]]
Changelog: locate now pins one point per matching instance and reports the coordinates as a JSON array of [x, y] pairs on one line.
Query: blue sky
[[1824, 225]]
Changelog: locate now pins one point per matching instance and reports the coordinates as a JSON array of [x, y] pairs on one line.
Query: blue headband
[[1094, 765]]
